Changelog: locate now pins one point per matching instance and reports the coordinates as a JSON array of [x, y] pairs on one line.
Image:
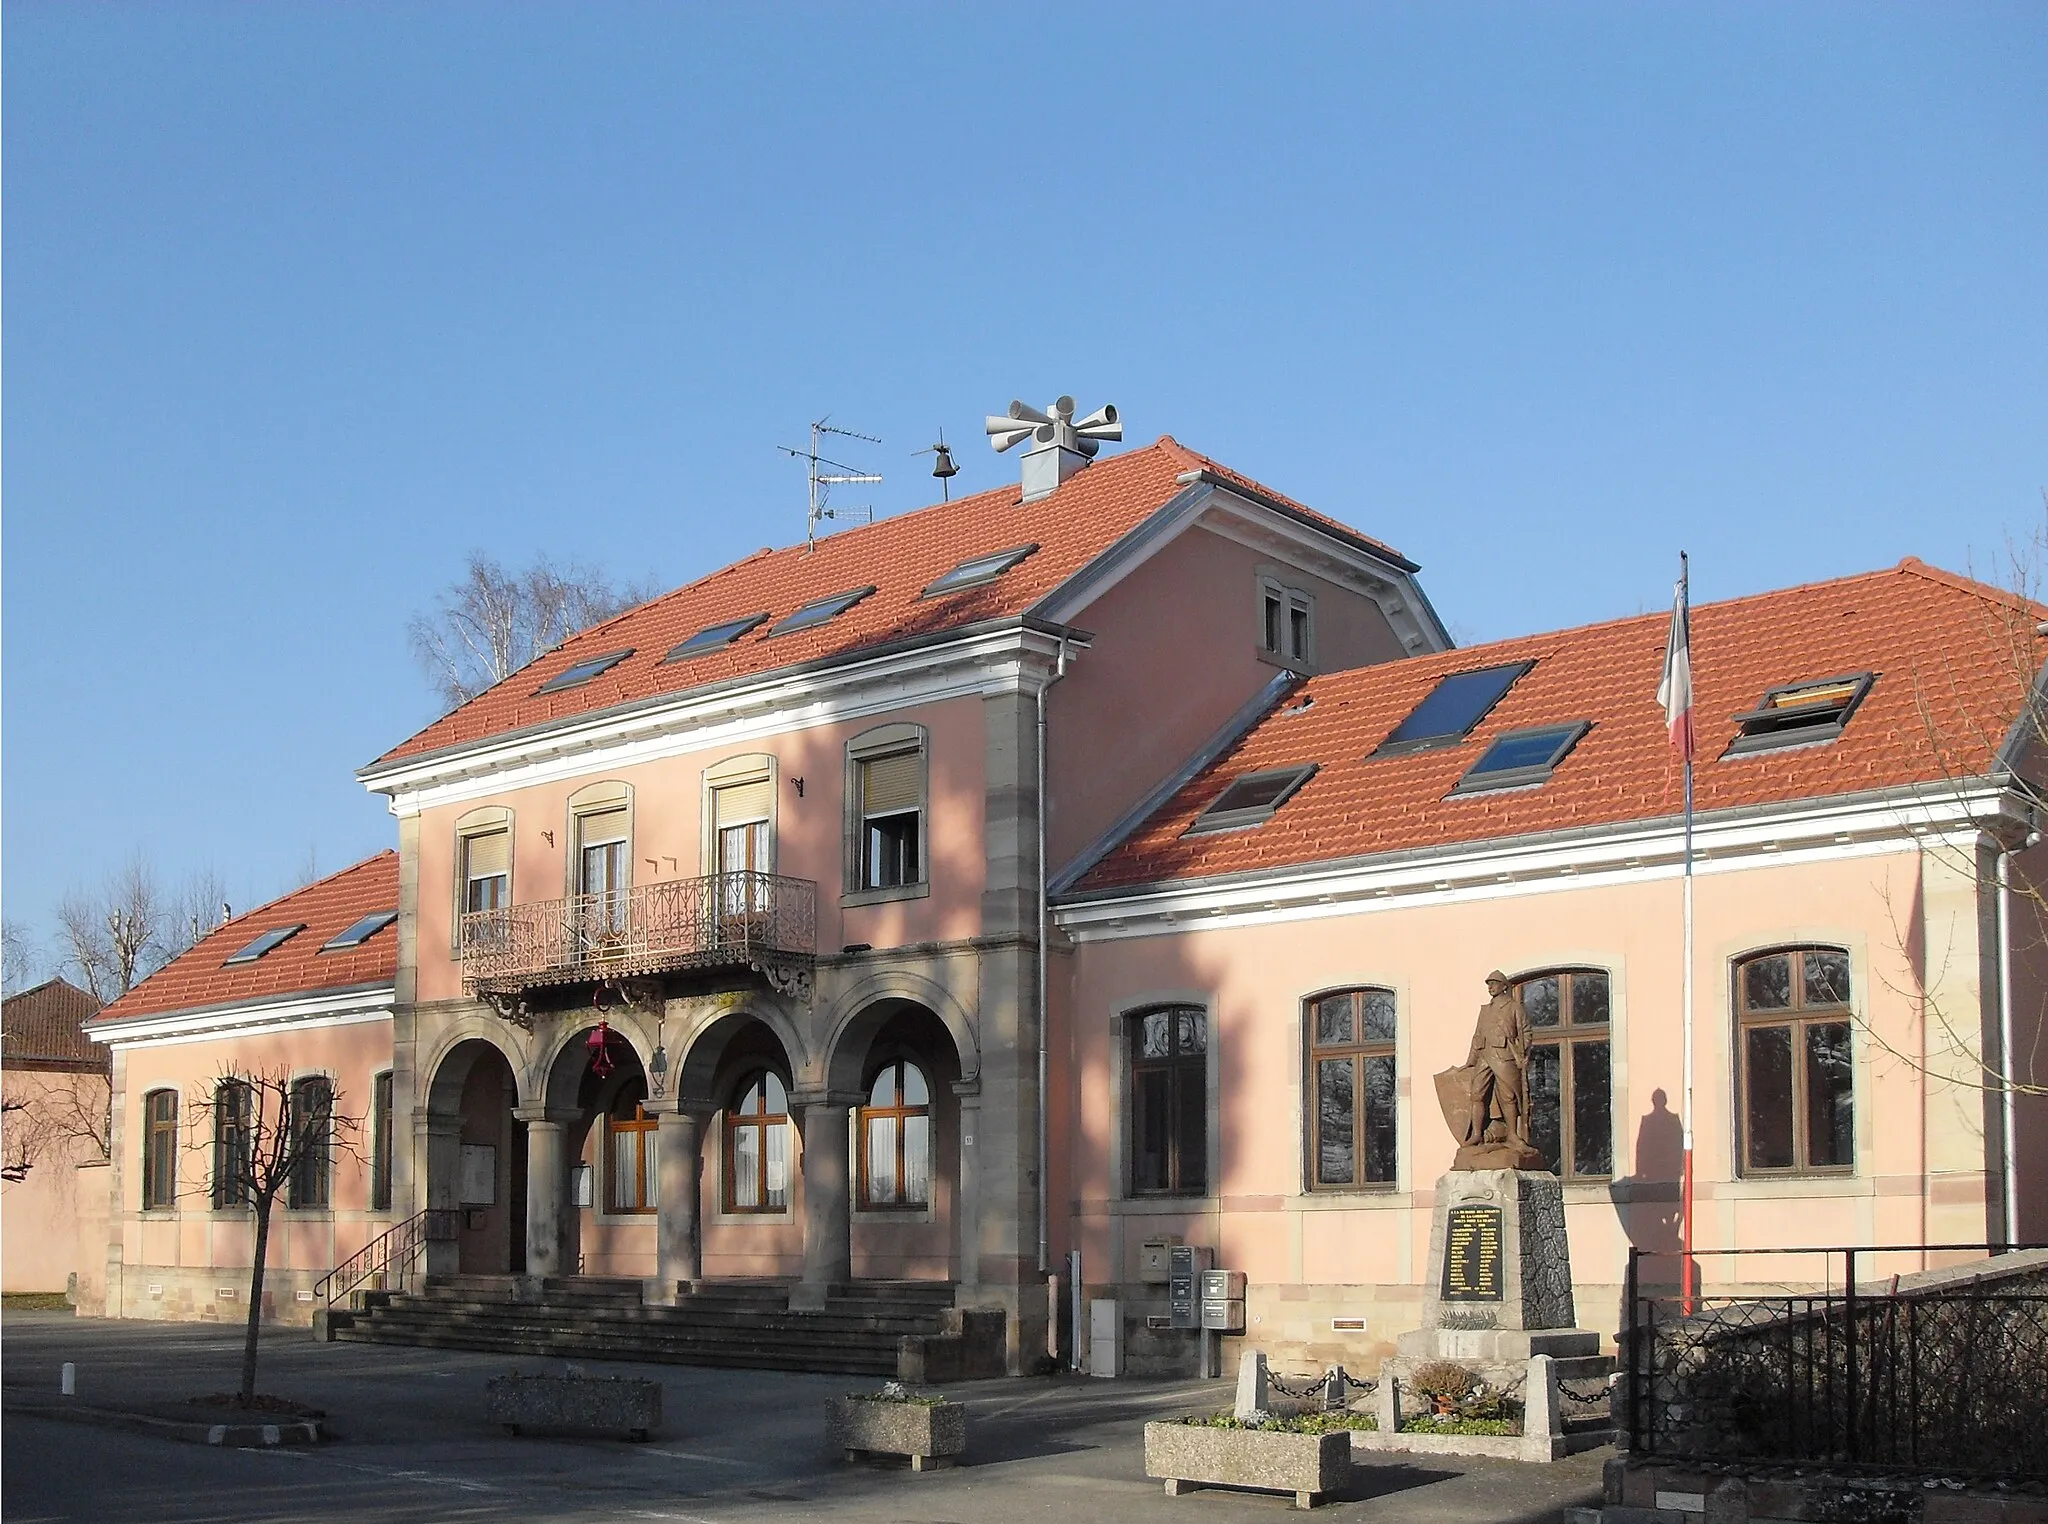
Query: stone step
[[654, 1319], [754, 1356]]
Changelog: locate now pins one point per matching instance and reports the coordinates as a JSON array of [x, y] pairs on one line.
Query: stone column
[[828, 1218], [679, 1159], [547, 1188], [967, 1200], [438, 1140]]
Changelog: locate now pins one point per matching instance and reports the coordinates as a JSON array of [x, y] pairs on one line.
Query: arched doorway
[[612, 1192], [904, 1157], [476, 1157], [736, 1079]]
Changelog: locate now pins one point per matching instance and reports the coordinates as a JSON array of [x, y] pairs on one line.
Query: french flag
[[1675, 691]]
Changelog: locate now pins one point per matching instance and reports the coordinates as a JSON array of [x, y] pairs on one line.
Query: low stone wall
[[971, 1347], [185, 1293], [1654, 1492]]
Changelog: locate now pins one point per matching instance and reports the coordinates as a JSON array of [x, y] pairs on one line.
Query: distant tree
[[491, 622], [268, 1136], [21, 958], [52, 1115], [120, 933]]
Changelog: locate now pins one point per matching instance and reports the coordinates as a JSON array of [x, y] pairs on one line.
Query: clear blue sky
[[304, 302]]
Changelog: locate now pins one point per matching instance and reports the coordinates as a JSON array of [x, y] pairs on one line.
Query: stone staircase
[[906, 1329]]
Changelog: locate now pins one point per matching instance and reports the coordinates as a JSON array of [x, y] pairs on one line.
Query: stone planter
[[1191, 1455], [930, 1436], [575, 1402]]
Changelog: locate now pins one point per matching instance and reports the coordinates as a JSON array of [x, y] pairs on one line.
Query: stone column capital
[[839, 1100], [543, 1116]]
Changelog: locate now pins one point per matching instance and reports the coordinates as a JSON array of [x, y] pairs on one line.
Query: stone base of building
[[1658, 1492], [189, 1294]]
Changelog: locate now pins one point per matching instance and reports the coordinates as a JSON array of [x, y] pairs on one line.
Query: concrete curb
[[291, 1431]]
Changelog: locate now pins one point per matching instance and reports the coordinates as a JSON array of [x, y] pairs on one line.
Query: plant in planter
[[1445, 1383], [926, 1428], [1308, 1455]]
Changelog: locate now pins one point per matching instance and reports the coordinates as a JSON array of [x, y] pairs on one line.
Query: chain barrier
[[1321, 1385], [1599, 1393]]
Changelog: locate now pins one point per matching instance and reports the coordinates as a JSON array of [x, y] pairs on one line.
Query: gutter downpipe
[[2010, 1139], [1044, 1005]]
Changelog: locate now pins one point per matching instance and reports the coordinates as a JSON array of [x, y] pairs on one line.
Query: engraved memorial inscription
[[1472, 1267]]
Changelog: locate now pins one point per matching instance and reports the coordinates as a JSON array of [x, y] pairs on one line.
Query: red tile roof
[[40, 1029], [1953, 658], [203, 977], [899, 557]]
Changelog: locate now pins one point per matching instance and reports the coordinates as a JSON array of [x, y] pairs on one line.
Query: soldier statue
[[1486, 1099]]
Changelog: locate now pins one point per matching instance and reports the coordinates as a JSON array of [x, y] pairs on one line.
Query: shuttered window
[[891, 792], [604, 825], [891, 783], [486, 870], [738, 803]]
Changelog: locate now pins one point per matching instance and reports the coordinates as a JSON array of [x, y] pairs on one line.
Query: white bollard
[[70, 1388]]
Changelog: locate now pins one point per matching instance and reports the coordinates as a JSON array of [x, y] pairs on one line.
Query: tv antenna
[[822, 482]]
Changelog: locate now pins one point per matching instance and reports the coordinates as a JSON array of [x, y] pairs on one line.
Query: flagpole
[[1685, 1264]]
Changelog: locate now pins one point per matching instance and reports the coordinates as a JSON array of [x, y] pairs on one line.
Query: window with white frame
[[886, 799]]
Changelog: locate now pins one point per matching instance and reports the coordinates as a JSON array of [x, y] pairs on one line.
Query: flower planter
[[1192, 1455], [928, 1435], [575, 1402]]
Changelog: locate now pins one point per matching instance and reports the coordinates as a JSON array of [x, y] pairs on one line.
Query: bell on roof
[[942, 464]]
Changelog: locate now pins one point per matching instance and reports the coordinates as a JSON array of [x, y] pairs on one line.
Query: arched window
[[312, 1134], [1353, 1140], [630, 1150], [1571, 1092], [1169, 1048], [757, 1146], [1798, 1102], [159, 1150], [896, 1138], [233, 1113]]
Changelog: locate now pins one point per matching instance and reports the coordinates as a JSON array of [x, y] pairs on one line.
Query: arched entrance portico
[[476, 1148]]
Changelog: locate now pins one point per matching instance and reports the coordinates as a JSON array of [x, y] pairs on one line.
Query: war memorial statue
[[1486, 1099]]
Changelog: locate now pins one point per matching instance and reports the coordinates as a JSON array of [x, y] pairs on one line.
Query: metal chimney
[[1061, 443]]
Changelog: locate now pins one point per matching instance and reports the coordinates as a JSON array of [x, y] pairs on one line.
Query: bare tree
[[51, 1116], [269, 1136], [490, 622], [120, 933], [21, 958]]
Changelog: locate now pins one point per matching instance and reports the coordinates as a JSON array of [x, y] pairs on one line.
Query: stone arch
[[703, 1047], [868, 1006], [557, 1080], [449, 1065]]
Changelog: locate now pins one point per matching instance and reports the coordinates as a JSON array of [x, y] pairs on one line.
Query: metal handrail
[[722, 920], [398, 1245]]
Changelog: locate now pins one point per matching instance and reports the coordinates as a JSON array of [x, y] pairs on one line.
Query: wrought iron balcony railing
[[729, 920]]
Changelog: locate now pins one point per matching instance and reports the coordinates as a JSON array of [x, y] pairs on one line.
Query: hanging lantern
[[599, 1043]]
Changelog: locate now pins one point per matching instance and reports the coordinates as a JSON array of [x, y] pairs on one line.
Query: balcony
[[729, 921]]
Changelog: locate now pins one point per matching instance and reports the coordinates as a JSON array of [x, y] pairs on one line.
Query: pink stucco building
[[1057, 870]]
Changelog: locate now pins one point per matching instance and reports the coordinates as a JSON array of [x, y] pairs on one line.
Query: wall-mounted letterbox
[[1155, 1260], [1223, 1285], [1183, 1285], [1223, 1314]]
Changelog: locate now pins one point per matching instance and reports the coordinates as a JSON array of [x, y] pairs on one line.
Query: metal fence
[[722, 920], [1946, 1379]]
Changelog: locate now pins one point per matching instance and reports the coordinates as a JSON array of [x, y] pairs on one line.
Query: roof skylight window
[[1800, 714], [978, 572], [716, 637], [361, 932], [1520, 758], [583, 671], [1454, 706], [277, 936], [820, 610], [1251, 800]]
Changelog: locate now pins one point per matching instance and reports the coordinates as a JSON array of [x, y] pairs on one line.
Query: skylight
[[980, 570], [275, 937], [716, 637], [1251, 800], [1454, 706], [818, 612], [361, 932], [583, 671], [1521, 757], [1800, 714]]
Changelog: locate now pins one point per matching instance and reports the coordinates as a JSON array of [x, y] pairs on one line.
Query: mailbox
[[1223, 1314], [1155, 1260], [1222, 1286], [1183, 1286]]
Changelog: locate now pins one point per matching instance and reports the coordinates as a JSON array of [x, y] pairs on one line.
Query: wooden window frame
[[160, 1150], [233, 1113], [901, 1114], [383, 1140], [1566, 1036], [738, 1121], [642, 1128], [1358, 1051], [1187, 1084], [1798, 1016], [311, 1187]]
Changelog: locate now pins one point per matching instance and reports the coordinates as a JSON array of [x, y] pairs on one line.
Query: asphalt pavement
[[410, 1443]]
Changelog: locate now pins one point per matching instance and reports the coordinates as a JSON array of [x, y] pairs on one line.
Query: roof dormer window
[[1800, 714], [361, 932], [1521, 758], [583, 671], [1454, 706], [1251, 800], [716, 637], [978, 572], [819, 611], [274, 938]]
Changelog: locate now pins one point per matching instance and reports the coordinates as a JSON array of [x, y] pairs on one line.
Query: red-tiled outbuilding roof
[[898, 557], [1953, 660], [41, 1029], [203, 977]]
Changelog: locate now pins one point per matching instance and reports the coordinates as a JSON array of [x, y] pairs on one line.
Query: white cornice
[[340, 1008], [1011, 658], [1633, 852]]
